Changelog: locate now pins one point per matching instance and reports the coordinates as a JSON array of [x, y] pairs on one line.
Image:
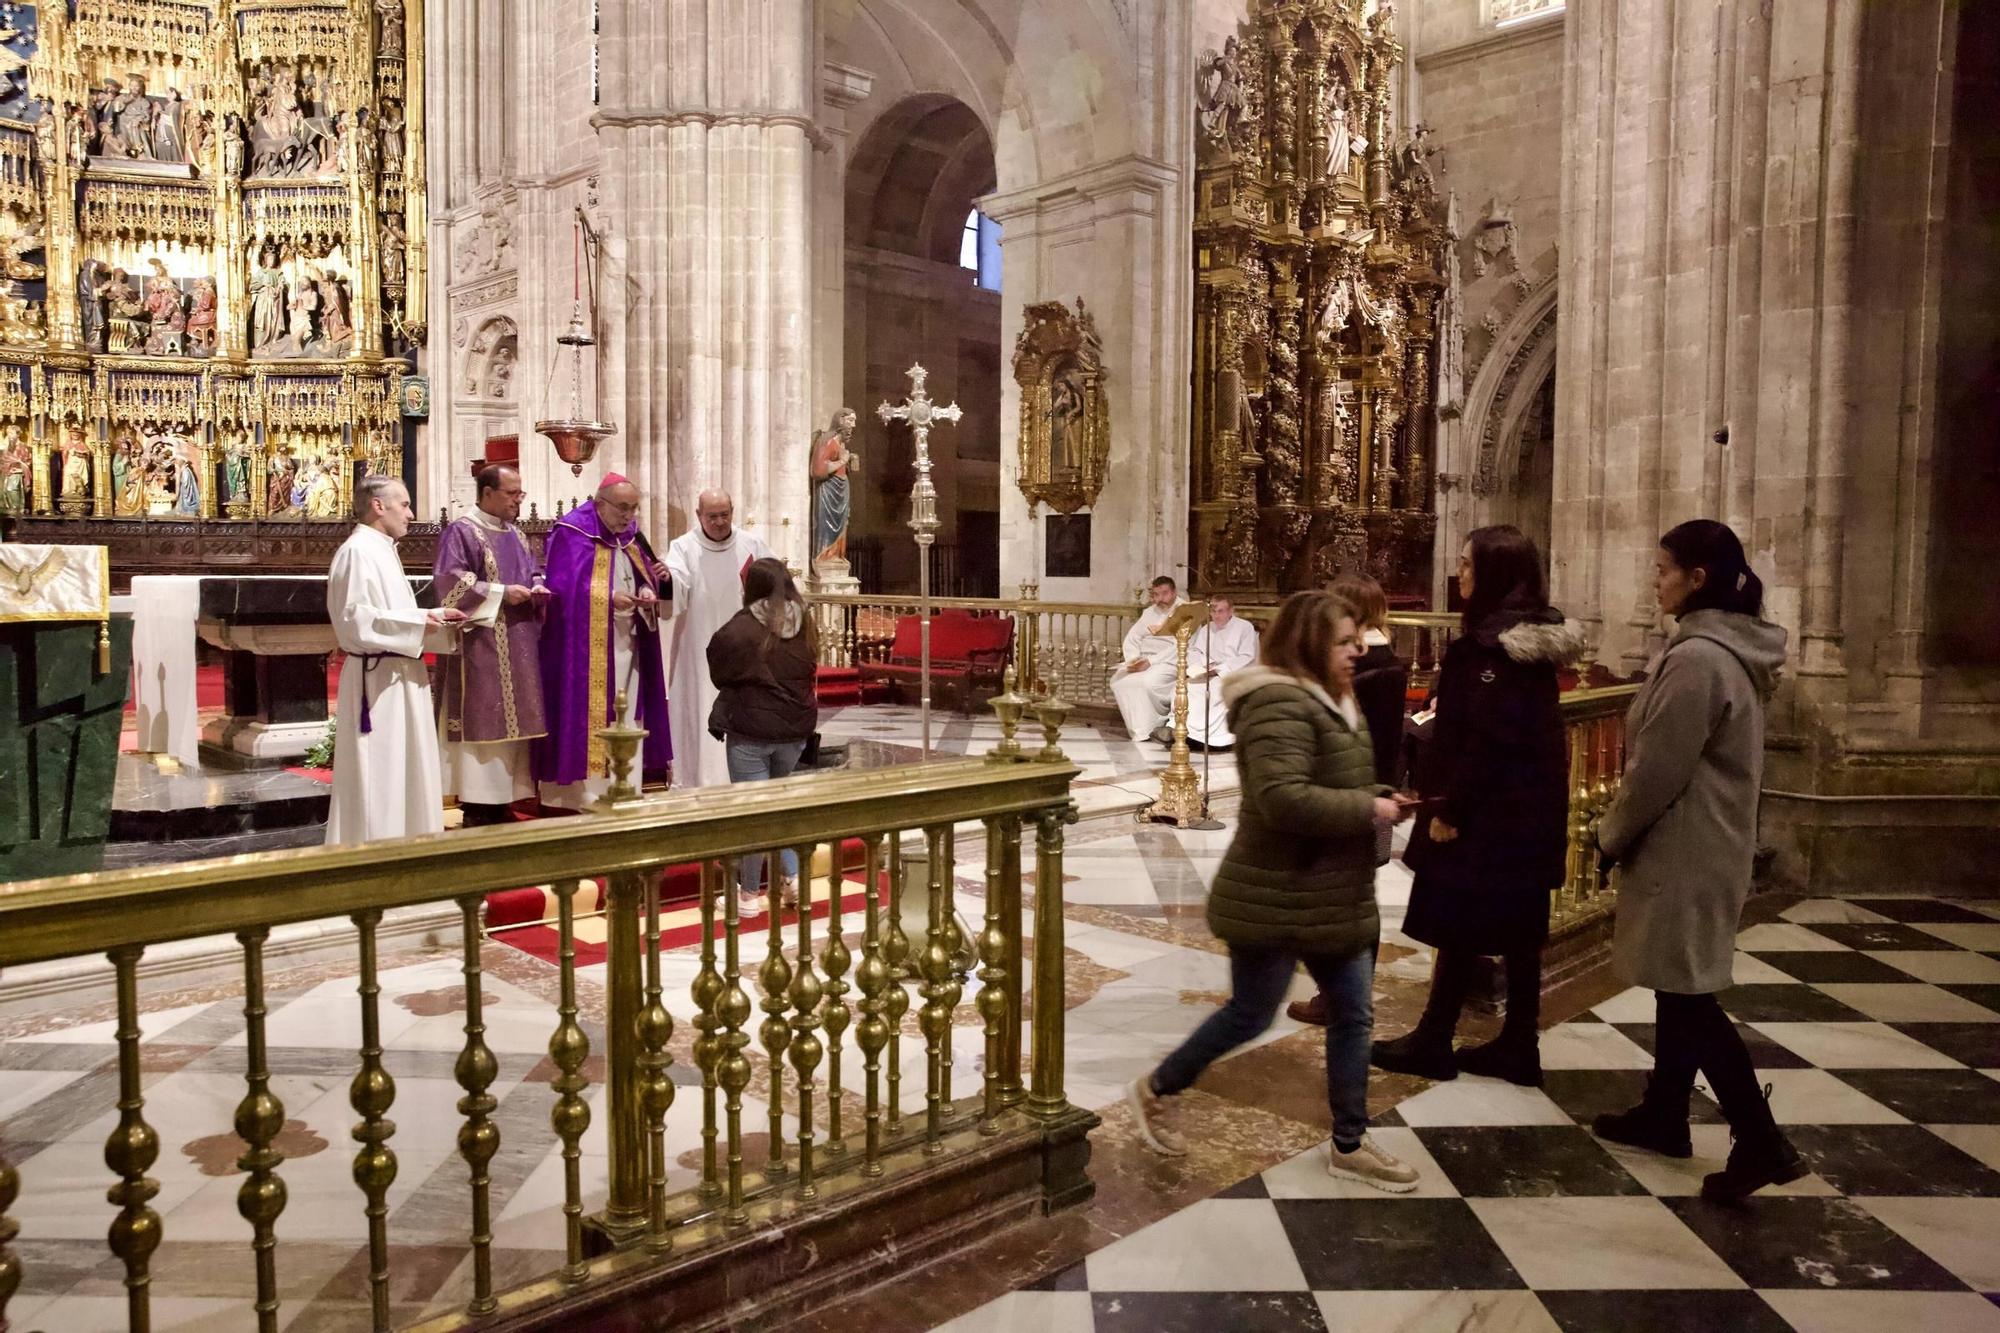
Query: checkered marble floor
[[1877, 1025]]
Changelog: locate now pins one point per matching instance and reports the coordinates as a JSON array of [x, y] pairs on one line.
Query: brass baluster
[[1046, 1096], [775, 979], [132, 1147], [569, 1047], [835, 961], [805, 1046], [871, 1032], [732, 1066], [1011, 1091], [707, 990], [940, 989], [624, 986], [259, 1117], [1570, 898], [655, 1028], [371, 1094], [992, 974], [478, 1137], [895, 955]]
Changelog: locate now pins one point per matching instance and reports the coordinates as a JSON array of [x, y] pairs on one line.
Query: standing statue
[[1218, 92], [323, 495], [267, 303], [128, 497], [78, 131], [75, 470], [278, 487], [1065, 421], [391, 41], [15, 464], [391, 131], [236, 477], [832, 462], [393, 240], [187, 481], [233, 148]]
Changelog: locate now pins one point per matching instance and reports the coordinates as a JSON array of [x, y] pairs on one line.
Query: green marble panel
[[60, 720]]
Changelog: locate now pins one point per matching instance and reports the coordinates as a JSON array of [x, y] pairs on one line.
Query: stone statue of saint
[[1065, 423], [832, 461], [236, 474], [75, 465]]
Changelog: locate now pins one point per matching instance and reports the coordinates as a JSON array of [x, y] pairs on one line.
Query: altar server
[[707, 563], [1226, 643], [385, 757], [600, 639], [490, 704], [1143, 684]]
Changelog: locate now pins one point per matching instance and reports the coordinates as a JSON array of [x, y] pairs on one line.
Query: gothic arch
[[1509, 377], [491, 361]]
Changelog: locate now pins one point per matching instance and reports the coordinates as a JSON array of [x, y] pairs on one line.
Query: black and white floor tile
[[1877, 1025]]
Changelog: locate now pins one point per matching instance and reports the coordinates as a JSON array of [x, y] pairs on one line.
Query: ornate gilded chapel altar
[[214, 247], [1318, 254]]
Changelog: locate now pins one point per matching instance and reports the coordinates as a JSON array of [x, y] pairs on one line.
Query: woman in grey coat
[[1683, 828]]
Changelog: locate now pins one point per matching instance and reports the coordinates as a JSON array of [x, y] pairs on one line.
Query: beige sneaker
[[788, 891], [1372, 1165], [1153, 1115]]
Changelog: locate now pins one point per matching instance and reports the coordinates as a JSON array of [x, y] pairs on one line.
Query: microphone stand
[[1207, 822]]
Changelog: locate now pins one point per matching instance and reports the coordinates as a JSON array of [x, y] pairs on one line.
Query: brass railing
[[1068, 648], [803, 986], [1594, 724]]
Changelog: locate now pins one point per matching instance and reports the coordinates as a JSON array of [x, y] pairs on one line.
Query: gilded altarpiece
[[214, 223], [1318, 252]]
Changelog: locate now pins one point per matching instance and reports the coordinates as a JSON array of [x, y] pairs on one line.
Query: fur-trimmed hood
[[1559, 643]]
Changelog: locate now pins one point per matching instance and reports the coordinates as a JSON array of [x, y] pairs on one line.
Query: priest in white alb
[[706, 564], [1143, 684], [386, 782], [1226, 643]]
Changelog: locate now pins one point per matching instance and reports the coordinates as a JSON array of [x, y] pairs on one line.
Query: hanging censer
[[575, 436]]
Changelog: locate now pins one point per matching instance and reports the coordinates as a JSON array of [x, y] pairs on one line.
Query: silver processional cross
[[921, 413]]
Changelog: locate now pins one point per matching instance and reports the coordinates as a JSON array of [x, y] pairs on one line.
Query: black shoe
[[1766, 1159], [1505, 1057], [1416, 1052], [1652, 1125]]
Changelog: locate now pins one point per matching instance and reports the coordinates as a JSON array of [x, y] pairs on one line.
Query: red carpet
[[680, 899]]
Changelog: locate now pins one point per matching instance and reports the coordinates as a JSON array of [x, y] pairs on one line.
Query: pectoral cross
[[921, 412]]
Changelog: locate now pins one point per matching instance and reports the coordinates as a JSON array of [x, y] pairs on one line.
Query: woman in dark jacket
[[1298, 882], [1683, 830], [1381, 682], [1491, 840], [764, 667]]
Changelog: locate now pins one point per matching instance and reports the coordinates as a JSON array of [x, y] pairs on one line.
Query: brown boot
[[1311, 1011]]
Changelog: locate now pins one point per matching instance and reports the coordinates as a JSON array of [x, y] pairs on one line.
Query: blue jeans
[[1258, 980], [760, 761]]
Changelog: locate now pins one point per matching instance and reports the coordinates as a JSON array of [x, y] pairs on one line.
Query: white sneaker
[[1152, 1114], [1372, 1165], [788, 891], [749, 905]]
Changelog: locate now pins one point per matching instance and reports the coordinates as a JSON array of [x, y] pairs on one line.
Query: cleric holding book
[[600, 639]]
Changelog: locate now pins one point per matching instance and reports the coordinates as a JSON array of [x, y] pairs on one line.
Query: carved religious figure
[[278, 488], [832, 463], [128, 475], [335, 326], [391, 132], [77, 132], [187, 479], [323, 493], [236, 478], [390, 14], [201, 319], [1065, 422], [267, 303], [393, 240], [75, 470], [233, 147], [166, 314], [16, 460], [1219, 92]]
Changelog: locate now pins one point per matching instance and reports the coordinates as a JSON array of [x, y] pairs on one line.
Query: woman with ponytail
[[1683, 830]]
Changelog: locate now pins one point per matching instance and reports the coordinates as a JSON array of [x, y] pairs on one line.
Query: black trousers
[[1695, 1036], [478, 815], [1452, 982]]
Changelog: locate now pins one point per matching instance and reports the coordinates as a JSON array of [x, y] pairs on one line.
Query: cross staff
[[921, 412]]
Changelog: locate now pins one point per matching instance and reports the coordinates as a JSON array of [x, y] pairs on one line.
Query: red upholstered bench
[[967, 651]]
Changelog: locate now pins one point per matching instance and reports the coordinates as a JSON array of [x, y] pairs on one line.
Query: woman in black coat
[[1490, 841]]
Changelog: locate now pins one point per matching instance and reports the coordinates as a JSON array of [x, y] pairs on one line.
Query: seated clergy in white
[[1226, 643], [386, 781], [1143, 684]]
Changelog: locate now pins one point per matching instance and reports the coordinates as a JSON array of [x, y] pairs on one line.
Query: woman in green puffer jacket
[[1298, 882]]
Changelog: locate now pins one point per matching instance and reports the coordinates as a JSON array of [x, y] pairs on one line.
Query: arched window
[[979, 249]]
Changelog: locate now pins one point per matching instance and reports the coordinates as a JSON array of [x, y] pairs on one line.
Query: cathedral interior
[[986, 315]]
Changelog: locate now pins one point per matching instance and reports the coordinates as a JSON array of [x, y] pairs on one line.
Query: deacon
[[600, 639], [1226, 643], [491, 692], [707, 563], [385, 752], [1143, 684]]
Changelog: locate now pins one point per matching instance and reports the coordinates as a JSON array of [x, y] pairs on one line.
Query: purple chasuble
[[491, 690], [577, 647]]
